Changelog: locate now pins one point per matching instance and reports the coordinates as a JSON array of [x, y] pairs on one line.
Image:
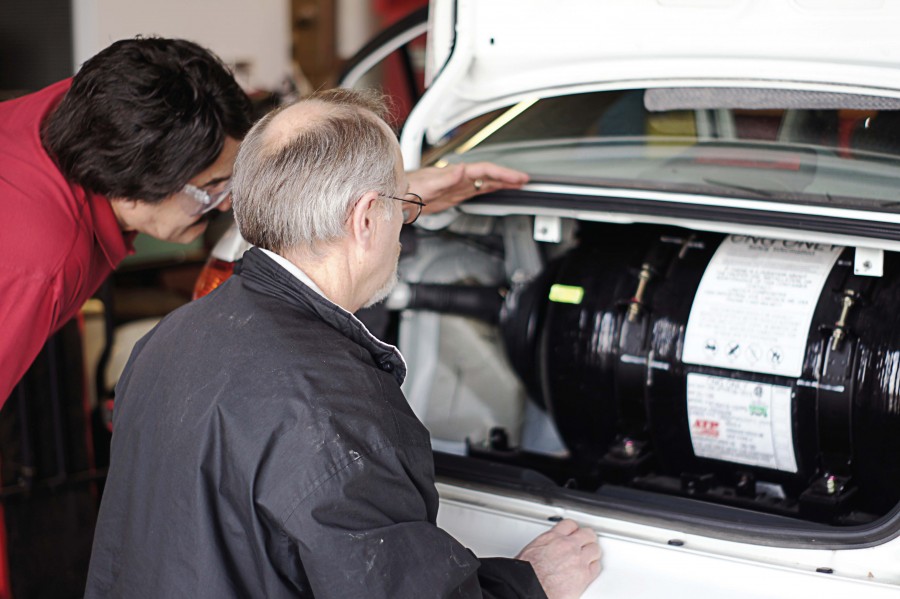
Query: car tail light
[[214, 273]]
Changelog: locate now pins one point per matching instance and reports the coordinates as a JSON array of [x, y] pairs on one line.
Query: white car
[[684, 331]]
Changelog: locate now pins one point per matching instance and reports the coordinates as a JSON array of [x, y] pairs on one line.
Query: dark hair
[[143, 117]]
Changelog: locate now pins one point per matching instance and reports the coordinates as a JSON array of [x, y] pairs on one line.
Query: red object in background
[[849, 123], [214, 273], [391, 11], [395, 80]]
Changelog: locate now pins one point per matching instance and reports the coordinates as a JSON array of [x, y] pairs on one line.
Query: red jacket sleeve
[[28, 307]]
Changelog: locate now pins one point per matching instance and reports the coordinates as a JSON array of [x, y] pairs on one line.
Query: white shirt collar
[[292, 268], [302, 276]]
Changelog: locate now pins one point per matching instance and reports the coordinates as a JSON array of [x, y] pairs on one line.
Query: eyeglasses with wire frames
[[204, 200], [410, 213]]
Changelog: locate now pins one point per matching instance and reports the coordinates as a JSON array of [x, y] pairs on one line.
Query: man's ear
[[364, 218], [124, 209]]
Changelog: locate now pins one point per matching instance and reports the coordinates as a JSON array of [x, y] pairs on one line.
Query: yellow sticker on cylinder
[[566, 294]]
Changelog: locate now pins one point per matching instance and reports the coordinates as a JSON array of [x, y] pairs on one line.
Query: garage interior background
[[53, 429]]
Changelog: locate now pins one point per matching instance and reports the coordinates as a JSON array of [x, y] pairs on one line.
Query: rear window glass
[[810, 148]]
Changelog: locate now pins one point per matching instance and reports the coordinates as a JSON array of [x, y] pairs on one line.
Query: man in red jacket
[[141, 139]]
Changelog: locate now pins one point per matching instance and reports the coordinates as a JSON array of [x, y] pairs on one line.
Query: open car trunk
[[687, 319]]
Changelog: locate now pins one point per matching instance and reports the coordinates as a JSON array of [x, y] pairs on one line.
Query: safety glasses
[[204, 200]]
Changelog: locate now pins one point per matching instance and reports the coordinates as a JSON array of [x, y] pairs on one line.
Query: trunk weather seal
[[648, 508], [717, 214]]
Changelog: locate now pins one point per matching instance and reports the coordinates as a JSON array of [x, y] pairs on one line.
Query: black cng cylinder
[[608, 365]]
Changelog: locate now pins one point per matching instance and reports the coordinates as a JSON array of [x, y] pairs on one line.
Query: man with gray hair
[[262, 444]]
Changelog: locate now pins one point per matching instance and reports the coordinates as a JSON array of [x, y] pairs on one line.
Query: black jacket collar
[[263, 275]]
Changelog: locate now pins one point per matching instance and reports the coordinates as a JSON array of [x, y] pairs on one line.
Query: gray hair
[[297, 194]]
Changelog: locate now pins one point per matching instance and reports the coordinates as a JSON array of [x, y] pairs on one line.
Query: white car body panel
[[504, 51], [639, 560]]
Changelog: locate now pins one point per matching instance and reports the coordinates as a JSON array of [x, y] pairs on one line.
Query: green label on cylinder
[[566, 294]]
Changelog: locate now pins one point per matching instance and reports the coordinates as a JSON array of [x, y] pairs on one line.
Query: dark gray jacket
[[262, 448]]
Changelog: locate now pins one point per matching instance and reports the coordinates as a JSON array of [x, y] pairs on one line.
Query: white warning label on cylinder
[[755, 303], [741, 421]]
